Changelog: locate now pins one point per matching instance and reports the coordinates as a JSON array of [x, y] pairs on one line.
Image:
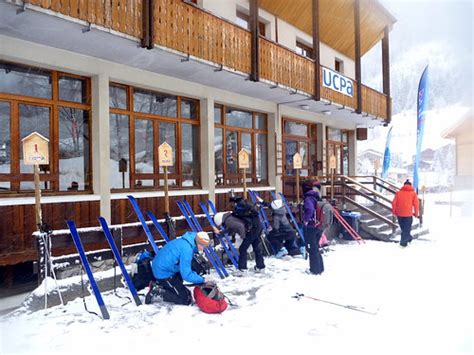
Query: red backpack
[[209, 299]]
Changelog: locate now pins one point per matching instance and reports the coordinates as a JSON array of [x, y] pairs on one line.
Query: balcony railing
[[119, 15], [191, 30]]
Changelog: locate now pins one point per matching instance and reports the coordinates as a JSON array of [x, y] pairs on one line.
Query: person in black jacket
[[249, 229]]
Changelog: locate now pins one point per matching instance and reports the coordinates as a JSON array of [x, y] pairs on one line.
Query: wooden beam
[[386, 73], [255, 50], [358, 71], [316, 50], [147, 24]]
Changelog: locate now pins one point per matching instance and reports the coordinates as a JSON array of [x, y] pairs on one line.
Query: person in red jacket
[[405, 205]]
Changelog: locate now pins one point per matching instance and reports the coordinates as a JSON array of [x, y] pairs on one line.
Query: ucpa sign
[[337, 82]]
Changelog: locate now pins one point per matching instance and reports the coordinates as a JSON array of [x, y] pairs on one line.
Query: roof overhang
[[336, 21]]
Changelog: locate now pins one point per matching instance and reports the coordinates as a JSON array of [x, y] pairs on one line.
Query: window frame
[[262, 26], [178, 121], [306, 50], [235, 180], [337, 145], [50, 181]]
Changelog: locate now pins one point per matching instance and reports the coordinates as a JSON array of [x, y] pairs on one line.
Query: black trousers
[[312, 236], [405, 225], [175, 291], [252, 239], [280, 238]]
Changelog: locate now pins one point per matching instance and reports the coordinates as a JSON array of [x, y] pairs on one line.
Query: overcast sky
[[434, 32]]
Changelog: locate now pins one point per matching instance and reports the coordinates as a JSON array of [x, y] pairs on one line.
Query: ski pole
[[298, 296]]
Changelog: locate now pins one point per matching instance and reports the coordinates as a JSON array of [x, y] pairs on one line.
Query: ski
[[190, 213], [139, 214], [206, 251], [223, 239], [118, 259], [158, 227], [298, 296], [85, 264], [292, 217]]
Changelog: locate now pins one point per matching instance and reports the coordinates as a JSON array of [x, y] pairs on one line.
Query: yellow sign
[[297, 161], [244, 161], [165, 155], [332, 162], [35, 149]]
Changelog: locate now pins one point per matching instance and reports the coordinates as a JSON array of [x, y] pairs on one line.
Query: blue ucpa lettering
[[349, 88]]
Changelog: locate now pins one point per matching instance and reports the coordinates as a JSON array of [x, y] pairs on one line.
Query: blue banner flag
[[387, 155], [421, 106]]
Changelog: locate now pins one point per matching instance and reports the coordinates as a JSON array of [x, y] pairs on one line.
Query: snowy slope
[[421, 295]]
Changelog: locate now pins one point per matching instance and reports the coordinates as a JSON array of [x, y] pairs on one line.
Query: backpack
[[244, 209], [200, 265], [324, 214], [209, 299], [141, 272]]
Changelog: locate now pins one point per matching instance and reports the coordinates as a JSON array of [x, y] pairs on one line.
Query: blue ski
[[139, 214], [292, 216], [158, 227], [189, 210], [119, 261], [206, 250], [86, 266], [261, 213], [223, 239]]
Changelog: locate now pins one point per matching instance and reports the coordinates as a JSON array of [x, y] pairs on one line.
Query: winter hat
[[219, 218], [277, 204], [407, 182], [308, 185], [202, 239]]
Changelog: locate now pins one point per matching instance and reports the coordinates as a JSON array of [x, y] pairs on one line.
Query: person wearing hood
[[405, 206], [282, 236], [312, 234], [172, 265]]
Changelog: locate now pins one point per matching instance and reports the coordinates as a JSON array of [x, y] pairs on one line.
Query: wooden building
[[108, 81]]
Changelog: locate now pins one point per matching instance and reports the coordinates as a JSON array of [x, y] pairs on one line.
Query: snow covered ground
[[422, 296]]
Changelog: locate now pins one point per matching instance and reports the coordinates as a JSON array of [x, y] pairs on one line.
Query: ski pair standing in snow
[[172, 265], [244, 222], [405, 205], [312, 234]]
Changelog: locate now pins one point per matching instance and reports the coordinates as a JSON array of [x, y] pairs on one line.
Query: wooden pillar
[[316, 51], [386, 73], [255, 47], [358, 71], [147, 24]]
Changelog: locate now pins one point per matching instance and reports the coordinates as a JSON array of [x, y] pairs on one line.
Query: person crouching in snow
[[282, 236], [405, 205], [172, 265], [249, 231]]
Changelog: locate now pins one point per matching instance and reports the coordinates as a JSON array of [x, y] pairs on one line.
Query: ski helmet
[[277, 204], [219, 218], [202, 239]]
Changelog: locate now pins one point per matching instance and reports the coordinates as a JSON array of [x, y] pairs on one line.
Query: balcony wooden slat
[[56, 5]]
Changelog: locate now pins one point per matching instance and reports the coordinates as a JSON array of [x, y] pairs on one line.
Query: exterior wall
[[114, 206], [464, 159], [287, 34]]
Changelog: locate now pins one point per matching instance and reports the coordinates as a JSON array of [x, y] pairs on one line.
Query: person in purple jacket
[[312, 234]]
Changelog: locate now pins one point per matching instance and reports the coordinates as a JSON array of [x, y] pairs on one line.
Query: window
[[240, 130], [56, 105], [339, 65], [337, 145], [243, 20], [141, 120], [300, 137], [304, 49]]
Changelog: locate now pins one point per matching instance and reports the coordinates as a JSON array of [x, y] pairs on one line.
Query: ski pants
[[405, 225], [175, 291], [280, 238], [252, 238], [312, 236]]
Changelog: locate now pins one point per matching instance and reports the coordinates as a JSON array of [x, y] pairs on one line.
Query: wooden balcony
[[193, 31]]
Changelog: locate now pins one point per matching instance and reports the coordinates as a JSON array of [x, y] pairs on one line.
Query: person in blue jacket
[[172, 265]]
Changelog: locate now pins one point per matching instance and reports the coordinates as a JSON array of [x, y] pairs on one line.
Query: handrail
[[373, 192], [374, 200], [372, 213]]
